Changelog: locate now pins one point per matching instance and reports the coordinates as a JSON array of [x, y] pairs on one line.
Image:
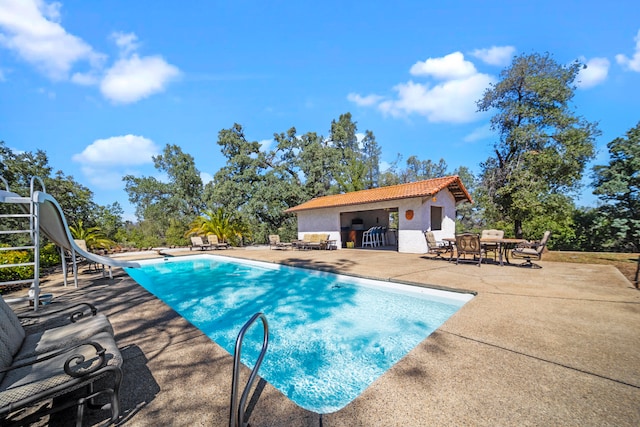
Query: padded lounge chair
[[469, 244], [215, 243], [433, 245], [531, 250], [196, 242], [274, 242], [44, 365]]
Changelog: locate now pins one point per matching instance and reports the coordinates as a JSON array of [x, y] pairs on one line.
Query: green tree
[[343, 134], [19, 169], [351, 172], [226, 226], [164, 206], [93, 236], [109, 219], [318, 162], [618, 185], [371, 152], [418, 170], [233, 185], [468, 215], [543, 145]]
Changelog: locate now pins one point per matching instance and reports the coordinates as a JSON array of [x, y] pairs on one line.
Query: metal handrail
[[237, 413], [33, 180]]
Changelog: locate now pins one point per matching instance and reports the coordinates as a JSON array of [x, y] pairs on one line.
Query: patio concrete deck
[[554, 346]]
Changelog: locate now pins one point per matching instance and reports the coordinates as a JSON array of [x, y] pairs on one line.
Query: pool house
[[401, 213]]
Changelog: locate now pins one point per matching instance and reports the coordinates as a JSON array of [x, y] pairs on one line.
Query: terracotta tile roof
[[424, 188]]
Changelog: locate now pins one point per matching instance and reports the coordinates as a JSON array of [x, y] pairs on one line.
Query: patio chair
[[48, 331], [433, 246], [469, 244], [274, 242], [215, 243], [196, 242], [92, 266], [491, 234], [369, 237], [531, 250], [41, 366], [312, 241]]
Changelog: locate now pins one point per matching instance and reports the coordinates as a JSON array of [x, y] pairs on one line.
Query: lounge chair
[[434, 247], [489, 235], [469, 244], [196, 242], [215, 243], [35, 367], [531, 250], [274, 242]]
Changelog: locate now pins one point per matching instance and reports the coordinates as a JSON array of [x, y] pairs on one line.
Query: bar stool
[[368, 237]]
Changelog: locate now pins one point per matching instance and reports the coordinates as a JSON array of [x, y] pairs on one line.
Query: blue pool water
[[331, 336]]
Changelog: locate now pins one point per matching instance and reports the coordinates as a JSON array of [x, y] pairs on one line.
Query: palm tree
[[93, 236], [218, 222]]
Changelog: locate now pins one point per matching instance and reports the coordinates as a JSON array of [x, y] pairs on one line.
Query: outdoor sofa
[[312, 241]]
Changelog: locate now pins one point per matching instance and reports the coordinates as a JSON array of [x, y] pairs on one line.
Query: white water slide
[[54, 226], [47, 218]]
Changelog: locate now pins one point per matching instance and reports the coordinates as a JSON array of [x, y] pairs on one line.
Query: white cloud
[[206, 177], [452, 100], [595, 73], [495, 55], [118, 151], [364, 101], [265, 145], [103, 178], [483, 132], [106, 161], [452, 66], [135, 78], [48, 93], [126, 42], [632, 63], [85, 79], [31, 29]]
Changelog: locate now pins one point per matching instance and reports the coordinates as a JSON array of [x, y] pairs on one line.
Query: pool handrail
[[237, 412]]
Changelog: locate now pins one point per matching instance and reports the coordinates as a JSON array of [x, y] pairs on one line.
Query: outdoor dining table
[[503, 244]]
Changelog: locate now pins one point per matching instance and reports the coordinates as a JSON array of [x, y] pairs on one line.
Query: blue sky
[[102, 86]]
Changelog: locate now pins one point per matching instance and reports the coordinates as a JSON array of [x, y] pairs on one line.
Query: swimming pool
[[331, 336]]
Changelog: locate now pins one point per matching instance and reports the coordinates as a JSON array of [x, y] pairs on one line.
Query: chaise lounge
[[274, 242], [215, 243], [197, 242], [44, 361]]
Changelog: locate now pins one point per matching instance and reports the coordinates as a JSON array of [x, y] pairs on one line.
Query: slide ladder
[[32, 229], [46, 219]]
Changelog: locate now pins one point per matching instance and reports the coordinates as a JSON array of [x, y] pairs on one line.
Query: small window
[[436, 218]]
